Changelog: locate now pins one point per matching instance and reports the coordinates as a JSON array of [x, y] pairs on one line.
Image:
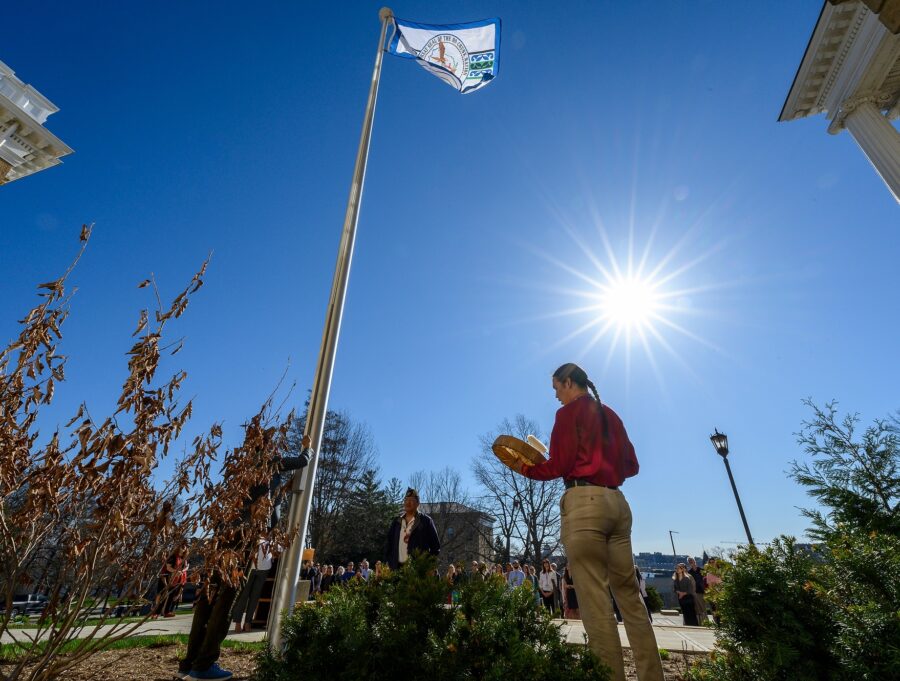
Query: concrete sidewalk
[[670, 634]]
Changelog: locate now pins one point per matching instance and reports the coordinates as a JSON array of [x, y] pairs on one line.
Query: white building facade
[[26, 146], [851, 74]]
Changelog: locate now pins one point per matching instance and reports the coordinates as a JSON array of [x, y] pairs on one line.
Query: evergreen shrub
[[656, 601], [833, 614], [775, 623], [399, 627]]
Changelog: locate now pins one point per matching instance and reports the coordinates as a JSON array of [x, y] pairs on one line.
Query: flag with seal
[[465, 56]]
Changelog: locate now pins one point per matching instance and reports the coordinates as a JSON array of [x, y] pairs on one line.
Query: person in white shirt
[[247, 600], [547, 585], [364, 571]]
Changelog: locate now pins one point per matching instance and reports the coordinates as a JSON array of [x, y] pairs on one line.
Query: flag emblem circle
[[448, 52]]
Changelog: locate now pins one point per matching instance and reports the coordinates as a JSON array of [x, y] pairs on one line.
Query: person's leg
[[688, 611], [240, 604], [700, 606], [628, 597], [216, 628], [169, 604], [160, 601], [255, 587], [587, 517], [202, 612]]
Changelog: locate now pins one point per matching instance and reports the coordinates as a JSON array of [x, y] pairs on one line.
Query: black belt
[[580, 482]]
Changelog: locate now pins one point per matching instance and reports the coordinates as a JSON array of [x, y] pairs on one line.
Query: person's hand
[[305, 442]]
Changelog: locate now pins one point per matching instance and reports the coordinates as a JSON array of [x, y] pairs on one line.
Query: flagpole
[[284, 593]]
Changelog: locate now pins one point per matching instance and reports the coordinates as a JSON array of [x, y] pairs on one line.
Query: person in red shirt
[[591, 452]]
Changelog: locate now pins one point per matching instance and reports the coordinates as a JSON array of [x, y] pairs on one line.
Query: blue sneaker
[[214, 672]]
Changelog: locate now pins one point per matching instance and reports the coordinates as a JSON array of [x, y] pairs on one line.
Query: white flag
[[465, 56]]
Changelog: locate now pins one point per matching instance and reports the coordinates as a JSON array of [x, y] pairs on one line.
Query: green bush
[[786, 615], [862, 583], [775, 622], [656, 601], [400, 628]]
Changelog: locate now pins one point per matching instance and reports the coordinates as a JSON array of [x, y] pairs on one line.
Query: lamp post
[[674, 555], [720, 442]]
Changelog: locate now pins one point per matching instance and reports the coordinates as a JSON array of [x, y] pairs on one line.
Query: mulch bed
[[150, 664], [674, 668], [159, 664]]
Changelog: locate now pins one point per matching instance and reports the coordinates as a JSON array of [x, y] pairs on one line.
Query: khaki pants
[[596, 531]]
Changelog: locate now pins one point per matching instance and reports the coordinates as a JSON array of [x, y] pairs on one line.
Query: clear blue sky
[[233, 127]]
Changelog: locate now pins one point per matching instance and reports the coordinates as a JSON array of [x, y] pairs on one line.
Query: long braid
[[593, 389], [600, 406]]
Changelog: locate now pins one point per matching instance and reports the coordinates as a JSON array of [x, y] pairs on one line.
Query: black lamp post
[[671, 539], [720, 442]]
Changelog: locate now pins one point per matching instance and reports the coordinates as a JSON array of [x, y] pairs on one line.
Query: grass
[[92, 622], [12, 652]]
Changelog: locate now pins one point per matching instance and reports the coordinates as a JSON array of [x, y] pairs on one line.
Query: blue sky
[[219, 127]]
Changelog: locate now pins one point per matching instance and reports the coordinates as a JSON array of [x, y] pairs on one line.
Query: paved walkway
[[670, 634]]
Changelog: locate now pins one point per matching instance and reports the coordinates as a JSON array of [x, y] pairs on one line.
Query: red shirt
[[577, 448]]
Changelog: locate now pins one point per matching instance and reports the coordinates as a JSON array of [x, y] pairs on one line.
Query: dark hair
[[579, 377]]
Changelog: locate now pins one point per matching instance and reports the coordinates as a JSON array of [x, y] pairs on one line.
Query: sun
[[630, 302], [627, 300]]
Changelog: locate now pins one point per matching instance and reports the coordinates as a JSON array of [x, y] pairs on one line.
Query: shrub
[[862, 584], [785, 615], [84, 515], [655, 600], [399, 627], [775, 622]]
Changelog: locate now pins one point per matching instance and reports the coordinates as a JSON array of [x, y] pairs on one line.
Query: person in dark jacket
[[411, 531], [212, 609]]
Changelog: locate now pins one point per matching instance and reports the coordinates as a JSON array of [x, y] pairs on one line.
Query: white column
[[879, 140]]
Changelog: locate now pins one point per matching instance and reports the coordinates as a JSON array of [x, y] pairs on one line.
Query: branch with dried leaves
[[80, 517]]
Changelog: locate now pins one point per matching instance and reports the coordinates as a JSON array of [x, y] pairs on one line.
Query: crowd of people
[[554, 588]]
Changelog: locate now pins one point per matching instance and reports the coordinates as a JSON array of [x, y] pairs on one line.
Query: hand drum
[[514, 452]]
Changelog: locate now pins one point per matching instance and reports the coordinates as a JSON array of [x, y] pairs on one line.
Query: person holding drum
[[590, 450]]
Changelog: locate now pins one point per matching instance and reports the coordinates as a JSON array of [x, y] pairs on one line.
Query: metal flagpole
[[284, 593]]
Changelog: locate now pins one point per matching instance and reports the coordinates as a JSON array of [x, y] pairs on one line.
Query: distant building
[[661, 563], [466, 533], [26, 146]]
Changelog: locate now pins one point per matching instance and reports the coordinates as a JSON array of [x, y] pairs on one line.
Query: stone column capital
[[879, 99]]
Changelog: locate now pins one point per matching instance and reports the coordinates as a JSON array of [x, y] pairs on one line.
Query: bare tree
[[86, 501], [526, 511], [461, 527]]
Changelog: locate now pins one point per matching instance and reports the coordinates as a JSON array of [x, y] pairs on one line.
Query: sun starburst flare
[[630, 302]]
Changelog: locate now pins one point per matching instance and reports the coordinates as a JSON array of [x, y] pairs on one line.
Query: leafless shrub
[[82, 509]]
